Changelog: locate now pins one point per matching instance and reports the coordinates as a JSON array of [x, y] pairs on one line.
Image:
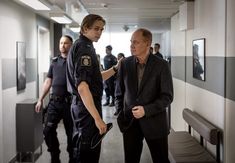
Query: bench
[[184, 148]]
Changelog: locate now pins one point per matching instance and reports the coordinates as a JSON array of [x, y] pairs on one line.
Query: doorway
[[43, 59]]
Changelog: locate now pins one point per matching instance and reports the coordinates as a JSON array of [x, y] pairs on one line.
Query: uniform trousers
[[133, 144], [58, 110], [84, 130], [110, 89]]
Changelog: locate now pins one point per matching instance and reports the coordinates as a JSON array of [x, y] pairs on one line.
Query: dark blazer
[[155, 95]]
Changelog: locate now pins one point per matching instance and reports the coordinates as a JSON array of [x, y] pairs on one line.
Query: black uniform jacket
[[155, 95], [82, 65]]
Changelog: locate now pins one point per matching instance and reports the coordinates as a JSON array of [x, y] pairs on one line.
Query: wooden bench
[[184, 148]]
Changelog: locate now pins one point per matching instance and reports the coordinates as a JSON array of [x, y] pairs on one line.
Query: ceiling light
[[127, 27], [61, 18], [75, 29], [35, 4]]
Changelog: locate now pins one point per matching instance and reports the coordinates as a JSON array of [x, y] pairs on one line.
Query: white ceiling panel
[[152, 14]]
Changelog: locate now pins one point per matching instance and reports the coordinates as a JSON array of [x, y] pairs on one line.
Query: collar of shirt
[[87, 41], [145, 61], [84, 38], [61, 59]]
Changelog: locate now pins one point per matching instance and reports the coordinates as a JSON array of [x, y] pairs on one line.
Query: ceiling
[[121, 15], [152, 14]]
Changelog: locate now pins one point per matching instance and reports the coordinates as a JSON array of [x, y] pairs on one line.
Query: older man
[[144, 89]]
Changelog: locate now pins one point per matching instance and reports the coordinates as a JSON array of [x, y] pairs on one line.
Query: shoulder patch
[[86, 60]]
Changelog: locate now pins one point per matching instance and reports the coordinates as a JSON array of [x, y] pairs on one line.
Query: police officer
[[60, 101], [109, 61], [156, 49], [84, 81]]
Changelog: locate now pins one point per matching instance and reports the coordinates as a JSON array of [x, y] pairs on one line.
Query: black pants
[[110, 88], [84, 130], [133, 144], [58, 110]]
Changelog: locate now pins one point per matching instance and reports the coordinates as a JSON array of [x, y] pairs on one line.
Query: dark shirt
[[83, 65], [109, 61], [57, 72], [140, 70], [159, 54]]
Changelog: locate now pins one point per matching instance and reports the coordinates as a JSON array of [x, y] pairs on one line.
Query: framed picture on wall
[[21, 65], [199, 59]]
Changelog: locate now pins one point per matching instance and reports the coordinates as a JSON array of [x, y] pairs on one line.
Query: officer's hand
[[38, 106], [138, 112], [118, 63], [101, 126]]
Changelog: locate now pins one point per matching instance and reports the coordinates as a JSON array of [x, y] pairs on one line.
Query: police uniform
[[58, 108], [82, 65], [109, 61]]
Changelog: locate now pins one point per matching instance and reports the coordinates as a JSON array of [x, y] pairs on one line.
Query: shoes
[[55, 160], [55, 157], [106, 104], [116, 113], [71, 160]]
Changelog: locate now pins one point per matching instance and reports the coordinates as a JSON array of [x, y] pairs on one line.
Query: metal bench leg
[[32, 157]]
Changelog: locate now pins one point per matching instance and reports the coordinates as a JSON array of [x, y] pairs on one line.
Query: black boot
[[55, 158], [116, 113]]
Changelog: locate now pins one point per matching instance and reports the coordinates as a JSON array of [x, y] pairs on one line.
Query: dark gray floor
[[112, 146]]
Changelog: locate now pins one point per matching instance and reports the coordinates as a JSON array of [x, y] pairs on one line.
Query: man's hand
[[118, 63], [38, 106], [101, 126], [138, 112]]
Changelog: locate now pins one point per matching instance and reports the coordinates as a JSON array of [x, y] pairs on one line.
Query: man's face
[[156, 48], [65, 45], [108, 51], [95, 31], [139, 46]]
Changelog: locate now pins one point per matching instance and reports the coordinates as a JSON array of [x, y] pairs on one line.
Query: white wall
[[230, 105], [206, 103], [166, 44], [209, 23], [177, 38], [209, 18], [1, 124], [177, 122], [17, 24], [177, 50], [230, 132], [211, 26]]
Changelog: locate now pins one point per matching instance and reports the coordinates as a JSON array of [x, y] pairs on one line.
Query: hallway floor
[[112, 146]]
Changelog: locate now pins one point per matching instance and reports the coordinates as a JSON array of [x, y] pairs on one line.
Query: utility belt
[[57, 98]]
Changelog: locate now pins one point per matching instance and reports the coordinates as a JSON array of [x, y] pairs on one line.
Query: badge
[[86, 60]]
